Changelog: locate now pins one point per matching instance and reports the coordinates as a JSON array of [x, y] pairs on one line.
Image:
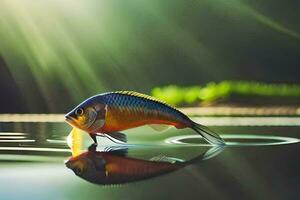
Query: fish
[[113, 112], [111, 168]]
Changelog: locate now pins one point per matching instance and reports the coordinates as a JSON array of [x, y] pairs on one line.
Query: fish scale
[[134, 106]]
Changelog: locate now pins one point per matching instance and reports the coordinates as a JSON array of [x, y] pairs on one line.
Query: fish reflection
[[115, 167]]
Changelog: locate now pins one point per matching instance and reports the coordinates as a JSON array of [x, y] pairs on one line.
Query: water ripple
[[264, 140]]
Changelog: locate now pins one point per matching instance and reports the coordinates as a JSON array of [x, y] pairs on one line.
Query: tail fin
[[210, 136]]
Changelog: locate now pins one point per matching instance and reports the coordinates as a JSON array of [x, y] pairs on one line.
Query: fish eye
[[79, 111]]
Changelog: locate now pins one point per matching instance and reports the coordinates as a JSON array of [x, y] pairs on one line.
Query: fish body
[[130, 109], [118, 111]]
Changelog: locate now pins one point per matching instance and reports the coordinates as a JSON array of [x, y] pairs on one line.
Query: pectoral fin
[[119, 136]]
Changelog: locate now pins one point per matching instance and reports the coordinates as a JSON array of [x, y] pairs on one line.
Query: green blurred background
[[56, 53]]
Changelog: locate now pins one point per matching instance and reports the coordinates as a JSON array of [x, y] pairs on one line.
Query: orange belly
[[121, 119]]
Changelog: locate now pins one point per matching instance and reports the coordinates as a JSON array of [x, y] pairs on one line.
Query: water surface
[[261, 162]]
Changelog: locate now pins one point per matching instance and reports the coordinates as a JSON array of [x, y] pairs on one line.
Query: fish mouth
[[69, 119], [68, 164]]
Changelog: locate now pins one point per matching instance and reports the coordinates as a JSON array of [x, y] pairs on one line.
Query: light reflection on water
[[22, 141]]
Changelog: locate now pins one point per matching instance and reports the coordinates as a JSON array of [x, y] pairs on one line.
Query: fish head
[[77, 165], [85, 116], [89, 167]]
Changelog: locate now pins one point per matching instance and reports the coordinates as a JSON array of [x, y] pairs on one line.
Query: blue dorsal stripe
[[137, 100]]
